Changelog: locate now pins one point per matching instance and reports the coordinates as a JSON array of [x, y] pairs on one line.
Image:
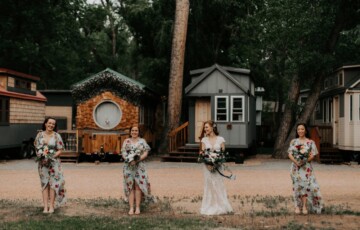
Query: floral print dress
[[303, 178], [51, 174], [136, 173]]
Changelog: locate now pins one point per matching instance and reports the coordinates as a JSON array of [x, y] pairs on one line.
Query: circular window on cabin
[[107, 114]]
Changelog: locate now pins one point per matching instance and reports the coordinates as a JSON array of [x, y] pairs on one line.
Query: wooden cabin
[[337, 114], [227, 96], [107, 105], [22, 110]]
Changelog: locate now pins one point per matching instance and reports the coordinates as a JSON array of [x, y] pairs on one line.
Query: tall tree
[[177, 64], [320, 57], [346, 12]]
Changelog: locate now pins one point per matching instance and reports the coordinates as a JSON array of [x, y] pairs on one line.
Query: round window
[[107, 114]]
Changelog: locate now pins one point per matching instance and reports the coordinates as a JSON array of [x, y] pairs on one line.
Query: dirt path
[[262, 188], [257, 176]]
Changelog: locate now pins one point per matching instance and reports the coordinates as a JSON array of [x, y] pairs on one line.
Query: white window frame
[[232, 108], [227, 108]]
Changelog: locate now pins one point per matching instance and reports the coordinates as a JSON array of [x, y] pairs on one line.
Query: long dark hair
[[43, 127], [307, 133], [140, 134], [212, 124]]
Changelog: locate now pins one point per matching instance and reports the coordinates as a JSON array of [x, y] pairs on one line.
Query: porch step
[[329, 155], [183, 154], [69, 157]]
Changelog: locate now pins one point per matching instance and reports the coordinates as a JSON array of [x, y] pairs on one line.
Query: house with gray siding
[[225, 95]]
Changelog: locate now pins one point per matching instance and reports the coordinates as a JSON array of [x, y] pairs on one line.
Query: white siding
[[349, 131]]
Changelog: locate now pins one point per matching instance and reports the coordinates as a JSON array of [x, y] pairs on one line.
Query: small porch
[[323, 137], [179, 148]]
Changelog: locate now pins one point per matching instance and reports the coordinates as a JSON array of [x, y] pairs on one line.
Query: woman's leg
[[138, 194], [52, 200], [45, 195], [304, 208], [131, 201]]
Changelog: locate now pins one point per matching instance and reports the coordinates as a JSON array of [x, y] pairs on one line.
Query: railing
[[326, 136], [178, 137]]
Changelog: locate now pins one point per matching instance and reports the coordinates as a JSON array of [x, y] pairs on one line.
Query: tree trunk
[[287, 118], [177, 67], [341, 19]]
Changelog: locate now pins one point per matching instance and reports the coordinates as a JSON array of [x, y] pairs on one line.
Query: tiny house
[[225, 95], [337, 113], [107, 105], [22, 111]]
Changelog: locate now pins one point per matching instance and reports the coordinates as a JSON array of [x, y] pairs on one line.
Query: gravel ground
[[259, 175]]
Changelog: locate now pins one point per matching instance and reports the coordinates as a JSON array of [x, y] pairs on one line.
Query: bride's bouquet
[[45, 155], [215, 159]]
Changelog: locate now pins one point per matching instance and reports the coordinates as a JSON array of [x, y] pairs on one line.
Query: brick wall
[[25, 111], [84, 116]]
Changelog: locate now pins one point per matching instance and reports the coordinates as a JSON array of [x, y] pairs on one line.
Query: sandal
[[297, 210]]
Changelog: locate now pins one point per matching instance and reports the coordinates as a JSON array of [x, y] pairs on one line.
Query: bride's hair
[[212, 124]]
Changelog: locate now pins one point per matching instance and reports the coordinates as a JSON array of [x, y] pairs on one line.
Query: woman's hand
[[300, 163]]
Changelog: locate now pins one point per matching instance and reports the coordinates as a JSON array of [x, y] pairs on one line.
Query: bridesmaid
[[306, 191], [49, 143], [136, 181], [215, 201]]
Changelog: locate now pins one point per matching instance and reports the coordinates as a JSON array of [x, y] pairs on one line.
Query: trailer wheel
[[27, 150]]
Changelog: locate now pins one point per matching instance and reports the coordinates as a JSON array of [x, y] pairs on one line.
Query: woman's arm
[[222, 146], [202, 150]]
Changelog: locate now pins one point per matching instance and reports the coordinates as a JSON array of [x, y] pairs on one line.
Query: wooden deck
[[187, 153], [69, 156]]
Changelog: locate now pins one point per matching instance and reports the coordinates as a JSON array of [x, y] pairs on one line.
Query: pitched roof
[[37, 97], [110, 80], [205, 72], [18, 74]]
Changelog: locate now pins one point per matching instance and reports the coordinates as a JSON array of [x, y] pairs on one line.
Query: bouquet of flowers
[[132, 155], [45, 155], [301, 152], [213, 158]]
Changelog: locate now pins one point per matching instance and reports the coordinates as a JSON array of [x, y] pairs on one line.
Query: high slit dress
[[303, 178], [51, 174], [136, 173]]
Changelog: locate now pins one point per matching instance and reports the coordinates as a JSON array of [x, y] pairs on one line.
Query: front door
[[202, 114]]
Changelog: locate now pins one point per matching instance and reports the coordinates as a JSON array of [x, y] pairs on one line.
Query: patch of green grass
[[340, 210], [102, 202], [109, 223]]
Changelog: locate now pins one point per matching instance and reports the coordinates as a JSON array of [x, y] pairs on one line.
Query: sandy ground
[[339, 184]]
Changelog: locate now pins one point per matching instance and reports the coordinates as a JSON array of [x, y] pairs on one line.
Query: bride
[[215, 201]]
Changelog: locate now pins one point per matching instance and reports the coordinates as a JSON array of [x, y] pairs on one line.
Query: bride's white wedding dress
[[215, 201]]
